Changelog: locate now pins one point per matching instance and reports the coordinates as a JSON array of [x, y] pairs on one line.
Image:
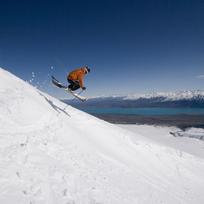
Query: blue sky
[[131, 46]]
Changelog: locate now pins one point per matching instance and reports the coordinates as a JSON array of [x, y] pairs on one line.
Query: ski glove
[[84, 88]]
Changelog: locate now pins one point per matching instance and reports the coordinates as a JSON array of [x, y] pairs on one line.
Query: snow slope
[[51, 153], [189, 140]]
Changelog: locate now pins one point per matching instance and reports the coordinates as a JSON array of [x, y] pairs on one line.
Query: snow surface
[[191, 132], [52, 153], [189, 142]]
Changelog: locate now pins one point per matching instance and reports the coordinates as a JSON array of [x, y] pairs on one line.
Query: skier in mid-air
[[76, 78]]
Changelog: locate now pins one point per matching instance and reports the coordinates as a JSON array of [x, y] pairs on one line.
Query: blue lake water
[[146, 111]]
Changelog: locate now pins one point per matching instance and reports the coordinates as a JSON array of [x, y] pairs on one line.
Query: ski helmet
[[87, 69]]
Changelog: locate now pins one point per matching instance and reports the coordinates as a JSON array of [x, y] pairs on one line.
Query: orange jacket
[[78, 75]]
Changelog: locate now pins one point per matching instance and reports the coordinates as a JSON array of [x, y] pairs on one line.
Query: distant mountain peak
[[188, 98], [173, 96]]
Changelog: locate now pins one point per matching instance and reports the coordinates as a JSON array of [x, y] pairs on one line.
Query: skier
[[76, 78]]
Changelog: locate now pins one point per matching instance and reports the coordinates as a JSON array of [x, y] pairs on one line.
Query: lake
[[145, 111]]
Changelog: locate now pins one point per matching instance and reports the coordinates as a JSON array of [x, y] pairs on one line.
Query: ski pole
[[80, 92]]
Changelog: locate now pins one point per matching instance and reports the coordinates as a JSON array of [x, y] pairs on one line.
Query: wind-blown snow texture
[[51, 153]]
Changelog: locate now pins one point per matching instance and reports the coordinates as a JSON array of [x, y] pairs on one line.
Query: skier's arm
[[81, 82]]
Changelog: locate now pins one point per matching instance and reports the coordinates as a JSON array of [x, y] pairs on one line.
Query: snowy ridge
[[179, 99], [174, 96], [52, 153]]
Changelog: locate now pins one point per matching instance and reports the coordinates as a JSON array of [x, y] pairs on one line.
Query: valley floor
[[181, 121]]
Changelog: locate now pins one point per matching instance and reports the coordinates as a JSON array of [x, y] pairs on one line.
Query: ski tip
[[85, 99], [53, 78]]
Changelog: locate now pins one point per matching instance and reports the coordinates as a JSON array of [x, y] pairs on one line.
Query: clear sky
[[131, 46]]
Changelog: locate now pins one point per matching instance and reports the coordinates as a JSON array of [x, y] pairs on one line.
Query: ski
[[60, 85], [82, 98], [57, 83]]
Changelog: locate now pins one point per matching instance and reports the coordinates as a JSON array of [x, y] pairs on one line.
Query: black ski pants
[[74, 85]]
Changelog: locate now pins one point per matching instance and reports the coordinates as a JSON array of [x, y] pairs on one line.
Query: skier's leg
[[74, 85], [71, 84]]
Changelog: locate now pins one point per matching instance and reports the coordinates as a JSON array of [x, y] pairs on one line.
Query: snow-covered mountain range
[[169, 96], [154, 99], [52, 153]]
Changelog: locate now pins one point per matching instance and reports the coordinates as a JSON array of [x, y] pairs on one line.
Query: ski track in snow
[[51, 153]]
